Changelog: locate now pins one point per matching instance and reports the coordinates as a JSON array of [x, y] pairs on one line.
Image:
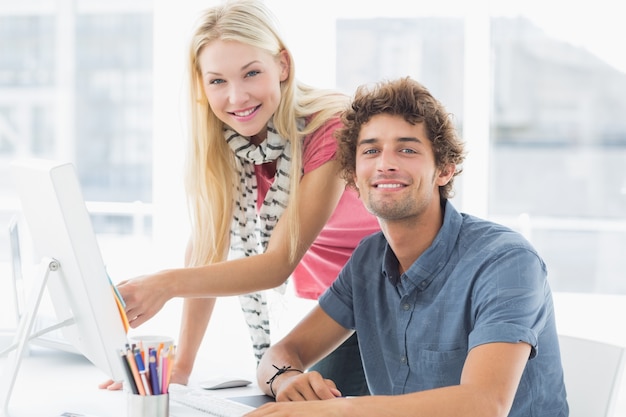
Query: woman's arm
[[196, 315], [320, 192], [195, 319]]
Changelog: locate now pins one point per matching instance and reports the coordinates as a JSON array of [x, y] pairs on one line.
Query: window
[[76, 85], [539, 102], [557, 143]]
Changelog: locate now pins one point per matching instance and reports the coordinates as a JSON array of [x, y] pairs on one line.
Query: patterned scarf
[[250, 232]]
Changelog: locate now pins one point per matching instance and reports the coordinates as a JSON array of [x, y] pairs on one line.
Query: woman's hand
[[111, 385], [179, 377], [144, 296]]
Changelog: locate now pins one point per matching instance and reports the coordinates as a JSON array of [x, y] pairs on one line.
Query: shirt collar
[[432, 261]]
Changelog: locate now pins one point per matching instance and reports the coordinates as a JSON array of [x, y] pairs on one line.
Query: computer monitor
[[73, 271], [16, 267]]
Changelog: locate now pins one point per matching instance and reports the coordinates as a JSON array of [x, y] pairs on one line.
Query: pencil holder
[[147, 405], [147, 341]]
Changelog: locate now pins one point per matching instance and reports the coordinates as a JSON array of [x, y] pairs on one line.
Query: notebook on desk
[[253, 400], [188, 401]]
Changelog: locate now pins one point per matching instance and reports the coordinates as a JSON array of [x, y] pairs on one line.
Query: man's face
[[395, 168]]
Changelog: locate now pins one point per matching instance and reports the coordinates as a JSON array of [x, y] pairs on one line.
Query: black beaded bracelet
[[280, 371]]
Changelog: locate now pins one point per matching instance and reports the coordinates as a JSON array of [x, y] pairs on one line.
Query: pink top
[[349, 223]]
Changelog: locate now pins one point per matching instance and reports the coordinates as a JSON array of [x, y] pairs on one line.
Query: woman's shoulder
[[321, 145], [328, 126], [326, 130]]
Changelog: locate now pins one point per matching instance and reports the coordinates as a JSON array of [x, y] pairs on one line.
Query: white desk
[[52, 382]]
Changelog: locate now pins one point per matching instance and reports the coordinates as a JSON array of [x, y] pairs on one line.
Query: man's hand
[[330, 408], [304, 387]]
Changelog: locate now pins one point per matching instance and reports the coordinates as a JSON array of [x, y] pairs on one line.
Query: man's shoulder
[[487, 233], [484, 242], [375, 241]]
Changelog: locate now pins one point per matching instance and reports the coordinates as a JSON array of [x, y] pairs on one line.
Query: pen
[[118, 296], [142, 371], [154, 374], [128, 372], [140, 346]]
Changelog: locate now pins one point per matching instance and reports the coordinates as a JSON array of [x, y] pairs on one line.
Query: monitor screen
[[80, 290]]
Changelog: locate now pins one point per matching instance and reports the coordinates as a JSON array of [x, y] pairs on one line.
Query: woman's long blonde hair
[[211, 173]]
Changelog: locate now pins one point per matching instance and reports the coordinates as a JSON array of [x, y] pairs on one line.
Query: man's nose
[[387, 160]]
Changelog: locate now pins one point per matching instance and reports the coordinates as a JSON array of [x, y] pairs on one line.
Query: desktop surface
[[52, 382]]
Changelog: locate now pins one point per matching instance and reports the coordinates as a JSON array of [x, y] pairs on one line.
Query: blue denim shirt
[[479, 282]]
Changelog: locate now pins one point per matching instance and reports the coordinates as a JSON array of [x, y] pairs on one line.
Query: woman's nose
[[237, 94]]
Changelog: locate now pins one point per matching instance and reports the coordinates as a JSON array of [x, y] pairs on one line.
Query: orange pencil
[[133, 367], [158, 352], [120, 308], [170, 359], [140, 346]]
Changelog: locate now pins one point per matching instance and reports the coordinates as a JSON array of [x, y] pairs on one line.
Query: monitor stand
[[24, 331]]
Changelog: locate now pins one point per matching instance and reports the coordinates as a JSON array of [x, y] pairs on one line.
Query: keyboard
[[208, 403]]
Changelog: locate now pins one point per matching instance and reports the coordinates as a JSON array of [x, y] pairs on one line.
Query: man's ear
[[446, 174], [356, 186]]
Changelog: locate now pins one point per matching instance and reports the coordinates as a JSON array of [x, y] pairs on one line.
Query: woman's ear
[[285, 64]]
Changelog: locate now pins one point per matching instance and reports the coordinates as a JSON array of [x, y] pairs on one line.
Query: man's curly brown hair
[[407, 98]]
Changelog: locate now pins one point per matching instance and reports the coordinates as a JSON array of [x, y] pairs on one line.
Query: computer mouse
[[224, 382]]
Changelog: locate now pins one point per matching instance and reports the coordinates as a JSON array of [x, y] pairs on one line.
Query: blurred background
[[537, 89]]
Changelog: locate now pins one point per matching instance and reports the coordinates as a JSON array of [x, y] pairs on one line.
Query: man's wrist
[[279, 372]]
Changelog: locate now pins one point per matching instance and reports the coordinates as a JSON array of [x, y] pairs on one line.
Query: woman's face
[[242, 84]]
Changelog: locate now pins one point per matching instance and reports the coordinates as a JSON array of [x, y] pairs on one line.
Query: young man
[[454, 314]]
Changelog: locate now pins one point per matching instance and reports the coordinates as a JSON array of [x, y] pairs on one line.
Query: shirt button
[[406, 306], [403, 360]]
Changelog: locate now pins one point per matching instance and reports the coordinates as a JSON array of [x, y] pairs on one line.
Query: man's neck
[[410, 238]]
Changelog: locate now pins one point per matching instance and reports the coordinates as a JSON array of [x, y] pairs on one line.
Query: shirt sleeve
[[512, 300], [359, 286], [337, 300]]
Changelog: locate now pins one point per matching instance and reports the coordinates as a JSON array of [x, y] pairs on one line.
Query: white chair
[[593, 374]]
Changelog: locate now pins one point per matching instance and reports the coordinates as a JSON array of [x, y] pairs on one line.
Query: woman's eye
[[252, 73], [217, 81]]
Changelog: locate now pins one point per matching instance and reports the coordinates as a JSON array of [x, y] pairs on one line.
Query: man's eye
[[407, 151], [370, 151]]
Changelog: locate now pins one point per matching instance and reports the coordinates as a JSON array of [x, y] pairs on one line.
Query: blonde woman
[[266, 200]]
